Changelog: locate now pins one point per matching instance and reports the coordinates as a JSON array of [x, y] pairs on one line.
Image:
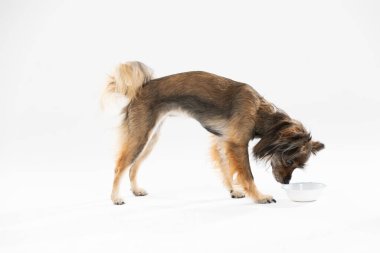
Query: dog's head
[[287, 146]]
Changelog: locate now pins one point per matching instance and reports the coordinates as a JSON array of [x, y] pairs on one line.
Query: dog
[[233, 112]]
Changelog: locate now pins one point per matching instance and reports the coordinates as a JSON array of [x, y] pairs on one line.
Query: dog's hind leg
[[131, 147], [137, 191], [238, 161], [218, 155]]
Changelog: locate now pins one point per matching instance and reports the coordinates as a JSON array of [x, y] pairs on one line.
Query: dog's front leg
[[238, 159]]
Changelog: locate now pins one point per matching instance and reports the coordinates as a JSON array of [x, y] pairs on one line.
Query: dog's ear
[[316, 146], [264, 148]]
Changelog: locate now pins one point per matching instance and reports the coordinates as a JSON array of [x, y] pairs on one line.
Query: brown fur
[[233, 112]]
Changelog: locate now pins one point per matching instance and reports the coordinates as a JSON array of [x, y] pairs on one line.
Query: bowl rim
[[287, 187]]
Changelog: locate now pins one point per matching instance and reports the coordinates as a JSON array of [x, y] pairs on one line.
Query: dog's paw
[[265, 199], [118, 201], [139, 192], [236, 194]]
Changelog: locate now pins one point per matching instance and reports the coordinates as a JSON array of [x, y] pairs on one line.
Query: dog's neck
[[267, 118]]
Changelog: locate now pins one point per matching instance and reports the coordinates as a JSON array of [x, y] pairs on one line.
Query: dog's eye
[[289, 162]]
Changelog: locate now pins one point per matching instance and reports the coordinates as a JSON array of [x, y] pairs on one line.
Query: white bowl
[[303, 192]]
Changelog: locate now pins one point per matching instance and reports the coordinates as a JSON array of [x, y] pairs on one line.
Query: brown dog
[[233, 112]]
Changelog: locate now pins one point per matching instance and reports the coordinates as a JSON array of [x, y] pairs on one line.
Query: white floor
[[70, 211]]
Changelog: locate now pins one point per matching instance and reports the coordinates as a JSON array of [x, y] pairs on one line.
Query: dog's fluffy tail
[[127, 80]]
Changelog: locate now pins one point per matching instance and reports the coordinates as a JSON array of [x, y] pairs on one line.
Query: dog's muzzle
[[286, 180]]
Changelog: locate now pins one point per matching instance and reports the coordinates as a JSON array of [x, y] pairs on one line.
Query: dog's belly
[[213, 125]]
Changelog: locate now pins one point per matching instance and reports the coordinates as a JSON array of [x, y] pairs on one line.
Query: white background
[[317, 60]]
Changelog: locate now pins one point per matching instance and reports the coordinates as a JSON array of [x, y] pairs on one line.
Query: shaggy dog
[[233, 112]]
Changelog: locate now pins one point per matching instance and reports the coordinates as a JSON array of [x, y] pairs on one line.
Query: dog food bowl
[[304, 192]]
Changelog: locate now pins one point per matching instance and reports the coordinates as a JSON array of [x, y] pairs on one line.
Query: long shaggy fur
[[233, 112], [127, 79]]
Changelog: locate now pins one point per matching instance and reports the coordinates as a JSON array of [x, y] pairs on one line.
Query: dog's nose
[[286, 180]]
